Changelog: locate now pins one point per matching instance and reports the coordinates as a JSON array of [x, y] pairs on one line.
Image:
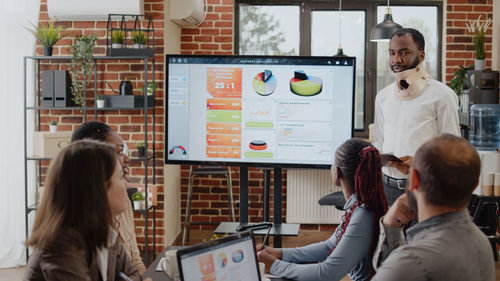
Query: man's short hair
[[418, 38], [448, 168]]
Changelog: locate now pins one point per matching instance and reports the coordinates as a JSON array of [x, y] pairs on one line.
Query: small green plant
[[478, 31], [141, 145], [100, 97], [48, 35], [117, 36], [458, 81], [139, 37], [137, 196], [53, 123], [149, 88]]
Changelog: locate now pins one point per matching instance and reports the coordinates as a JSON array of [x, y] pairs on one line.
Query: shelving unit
[[36, 108]]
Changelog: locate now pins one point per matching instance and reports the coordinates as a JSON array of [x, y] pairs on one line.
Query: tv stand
[[279, 229]]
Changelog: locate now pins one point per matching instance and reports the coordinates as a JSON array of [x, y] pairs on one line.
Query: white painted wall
[[172, 173]]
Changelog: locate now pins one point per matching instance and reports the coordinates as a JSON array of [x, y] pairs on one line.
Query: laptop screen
[[229, 258]]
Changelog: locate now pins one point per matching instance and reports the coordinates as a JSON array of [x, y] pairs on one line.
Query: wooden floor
[[305, 237]]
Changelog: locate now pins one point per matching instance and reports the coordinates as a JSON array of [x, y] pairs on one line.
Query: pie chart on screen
[[264, 83], [302, 84]]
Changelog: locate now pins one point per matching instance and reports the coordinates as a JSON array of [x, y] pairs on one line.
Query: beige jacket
[[126, 235], [68, 258]]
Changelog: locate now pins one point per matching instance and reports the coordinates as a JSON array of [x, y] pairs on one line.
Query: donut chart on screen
[[304, 85], [264, 83]]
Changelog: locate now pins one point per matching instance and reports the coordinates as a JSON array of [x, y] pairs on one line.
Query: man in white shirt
[[411, 110]]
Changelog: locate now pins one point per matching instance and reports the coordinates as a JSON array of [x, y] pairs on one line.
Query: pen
[[125, 277], [264, 242]]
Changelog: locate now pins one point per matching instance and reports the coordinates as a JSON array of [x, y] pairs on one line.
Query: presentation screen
[[257, 111]]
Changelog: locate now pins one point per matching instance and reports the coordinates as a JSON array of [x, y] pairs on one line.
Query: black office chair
[[333, 199]]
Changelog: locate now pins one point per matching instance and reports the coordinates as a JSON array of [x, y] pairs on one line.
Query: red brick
[[203, 38], [190, 31], [186, 46], [223, 9], [224, 39], [223, 24], [209, 31], [209, 46]]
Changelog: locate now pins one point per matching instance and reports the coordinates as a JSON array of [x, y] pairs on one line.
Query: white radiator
[[304, 189]]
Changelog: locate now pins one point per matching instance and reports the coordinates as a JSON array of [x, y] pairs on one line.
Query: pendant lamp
[[383, 31], [340, 51]]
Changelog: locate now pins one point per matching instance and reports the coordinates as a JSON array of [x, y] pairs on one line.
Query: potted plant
[[459, 80], [47, 35], [53, 127], [150, 88], [81, 66], [141, 149], [139, 39], [100, 101], [478, 31], [117, 37], [138, 200]]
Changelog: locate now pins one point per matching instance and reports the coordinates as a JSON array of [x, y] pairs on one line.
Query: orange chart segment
[[224, 82], [224, 128], [223, 104], [224, 140], [223, 152]]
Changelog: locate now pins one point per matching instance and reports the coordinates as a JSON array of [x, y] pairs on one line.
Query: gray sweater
[[444, 247]]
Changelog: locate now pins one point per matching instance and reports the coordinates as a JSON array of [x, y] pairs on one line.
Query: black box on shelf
[[124, 52], [56, 89], [127, 101]]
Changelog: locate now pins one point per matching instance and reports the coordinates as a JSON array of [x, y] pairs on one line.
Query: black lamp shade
[[384, 30]]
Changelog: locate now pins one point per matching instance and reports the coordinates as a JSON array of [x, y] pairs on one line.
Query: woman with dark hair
[[357, 170], [72, 235], [124, 222]]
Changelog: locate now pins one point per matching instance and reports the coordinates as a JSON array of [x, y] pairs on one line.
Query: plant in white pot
[[100, 101], [138, 200], [53, 127], [139, 39], [117, 37], [478, 31]]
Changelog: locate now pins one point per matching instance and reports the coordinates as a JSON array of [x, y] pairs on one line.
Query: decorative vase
[[47, 51], [479, 64], [138, 46], [116, 45], [137, 205], [53, 129], [100, 103]]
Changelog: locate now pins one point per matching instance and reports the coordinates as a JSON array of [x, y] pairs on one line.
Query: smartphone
[[389, 157]]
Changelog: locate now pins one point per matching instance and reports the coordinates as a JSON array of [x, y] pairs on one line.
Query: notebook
[[231, 258]]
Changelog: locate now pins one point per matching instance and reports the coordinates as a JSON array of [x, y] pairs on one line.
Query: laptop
[[230, 258]]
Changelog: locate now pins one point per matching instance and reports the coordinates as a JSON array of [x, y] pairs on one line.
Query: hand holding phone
[[389, 157]]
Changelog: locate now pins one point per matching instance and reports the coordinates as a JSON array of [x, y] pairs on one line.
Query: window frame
[[370, 8]]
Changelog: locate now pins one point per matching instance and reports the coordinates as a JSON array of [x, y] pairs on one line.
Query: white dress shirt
[[401, 126]]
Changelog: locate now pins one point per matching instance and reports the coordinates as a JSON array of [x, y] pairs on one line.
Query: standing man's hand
[[399, 213], [403, 167]]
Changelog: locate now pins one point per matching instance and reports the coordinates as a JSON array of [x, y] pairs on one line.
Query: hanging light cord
[[340, 24]]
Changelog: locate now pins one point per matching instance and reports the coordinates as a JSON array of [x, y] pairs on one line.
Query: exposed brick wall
[[129, 124], [459, 48]]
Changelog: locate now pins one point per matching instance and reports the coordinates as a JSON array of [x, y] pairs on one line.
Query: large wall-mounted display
[[258, 111]]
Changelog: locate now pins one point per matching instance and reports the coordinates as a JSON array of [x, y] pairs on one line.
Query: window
[[269, 30], [294, 27]]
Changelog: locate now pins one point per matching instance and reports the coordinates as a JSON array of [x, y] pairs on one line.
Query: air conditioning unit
[[90, 10], [187, 12]]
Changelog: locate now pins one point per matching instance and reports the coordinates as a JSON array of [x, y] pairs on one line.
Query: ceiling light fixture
[[383, 31]]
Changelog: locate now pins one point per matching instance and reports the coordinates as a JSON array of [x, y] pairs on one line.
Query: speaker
[[62, 89], [48, 88]]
